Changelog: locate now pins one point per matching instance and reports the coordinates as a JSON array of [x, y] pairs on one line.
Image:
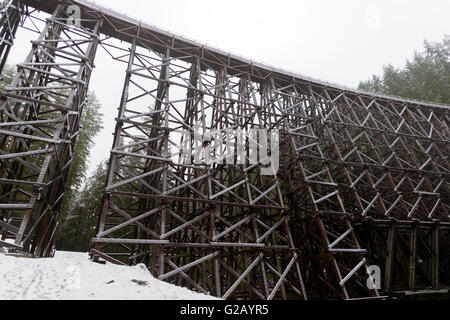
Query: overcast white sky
[[343, 41]]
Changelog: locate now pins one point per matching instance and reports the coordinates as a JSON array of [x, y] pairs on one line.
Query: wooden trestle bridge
[[362, 179]]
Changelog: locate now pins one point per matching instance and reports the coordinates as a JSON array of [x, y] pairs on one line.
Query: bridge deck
[[119, 25]]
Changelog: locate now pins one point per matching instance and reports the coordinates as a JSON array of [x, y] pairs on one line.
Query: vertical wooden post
[[277, 258], [216, 270], [391, 256], [435, 263], [413, 257]]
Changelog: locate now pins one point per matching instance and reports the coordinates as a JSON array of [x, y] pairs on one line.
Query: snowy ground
[[72, 276]]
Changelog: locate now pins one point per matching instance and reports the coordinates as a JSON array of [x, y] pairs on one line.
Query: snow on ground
[[72, 276]]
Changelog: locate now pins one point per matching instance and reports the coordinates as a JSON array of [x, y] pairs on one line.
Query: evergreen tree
[[7, 76], [79, 226], [91, 124], [425, 77]]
